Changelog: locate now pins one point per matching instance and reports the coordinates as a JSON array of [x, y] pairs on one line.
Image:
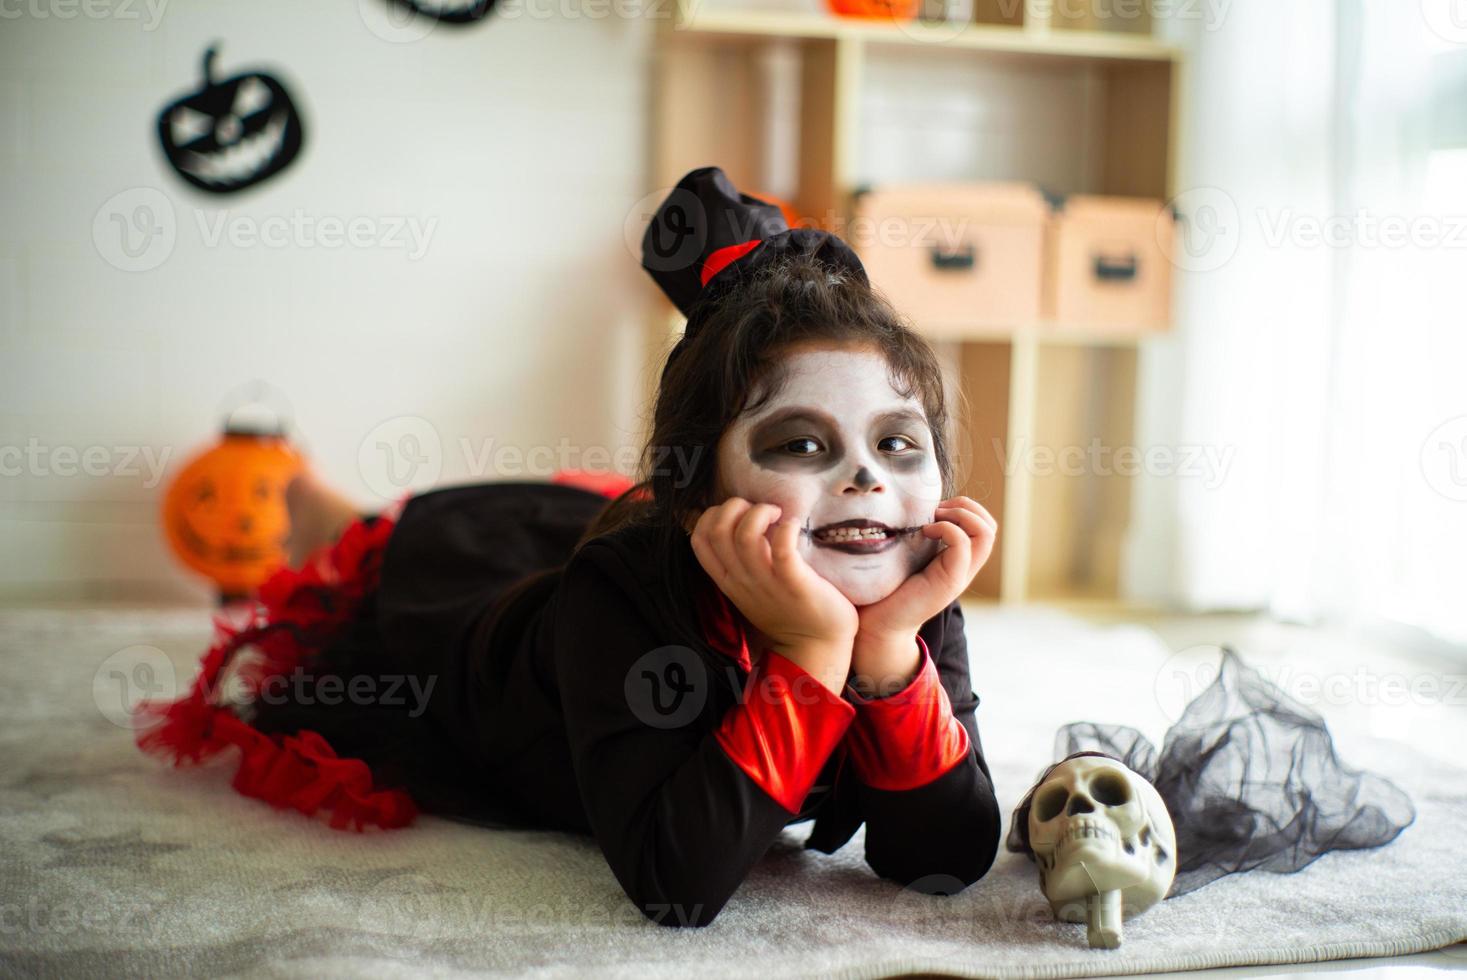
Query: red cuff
[[784, 729], [910, 738]]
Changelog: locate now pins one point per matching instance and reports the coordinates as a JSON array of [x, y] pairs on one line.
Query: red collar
[[723, 625]]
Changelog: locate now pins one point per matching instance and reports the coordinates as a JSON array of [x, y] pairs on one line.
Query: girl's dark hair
[[732, 345]]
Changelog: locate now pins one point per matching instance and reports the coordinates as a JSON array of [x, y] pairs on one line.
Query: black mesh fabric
[[1250, 777]]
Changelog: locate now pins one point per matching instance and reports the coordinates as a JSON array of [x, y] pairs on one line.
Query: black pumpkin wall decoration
[[231, 134], [450, 11]]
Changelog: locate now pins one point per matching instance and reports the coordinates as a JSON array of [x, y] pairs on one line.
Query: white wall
[[515, 145]]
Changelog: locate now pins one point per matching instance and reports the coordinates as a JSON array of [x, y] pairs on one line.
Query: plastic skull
[[1096, 827]]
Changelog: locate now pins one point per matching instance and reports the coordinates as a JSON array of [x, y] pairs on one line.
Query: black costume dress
[[505, 677]]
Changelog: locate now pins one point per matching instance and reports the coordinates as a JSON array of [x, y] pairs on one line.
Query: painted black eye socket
[[802, 440], [1050, 802]]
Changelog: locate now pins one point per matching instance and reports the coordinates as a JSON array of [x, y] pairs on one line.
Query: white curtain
[[1321, 345]]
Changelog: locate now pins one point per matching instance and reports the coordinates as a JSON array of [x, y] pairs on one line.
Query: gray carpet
[[113, 865]]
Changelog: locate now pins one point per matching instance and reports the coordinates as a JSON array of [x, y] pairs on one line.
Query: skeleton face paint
[[841, 451]]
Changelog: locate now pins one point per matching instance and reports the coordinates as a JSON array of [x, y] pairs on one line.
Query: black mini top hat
[[706, 236]]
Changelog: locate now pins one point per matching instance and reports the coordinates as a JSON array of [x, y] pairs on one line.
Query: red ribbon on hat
[[718, 260]]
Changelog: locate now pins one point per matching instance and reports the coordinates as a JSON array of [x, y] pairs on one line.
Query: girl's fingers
[[720, 534], [954, 560], [972, 506], [703, 548], [785, 551], [750, 541], [970, 522], [707, 558]]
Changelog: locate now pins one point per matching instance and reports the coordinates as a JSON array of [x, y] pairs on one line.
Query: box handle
[[1116, 269], [954, 259]]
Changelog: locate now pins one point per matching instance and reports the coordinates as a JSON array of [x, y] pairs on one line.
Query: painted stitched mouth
[[856, 531]]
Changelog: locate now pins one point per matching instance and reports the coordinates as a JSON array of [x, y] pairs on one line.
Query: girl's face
[[839, 450]]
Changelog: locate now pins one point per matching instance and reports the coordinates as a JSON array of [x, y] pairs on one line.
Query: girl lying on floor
[[763, 630]]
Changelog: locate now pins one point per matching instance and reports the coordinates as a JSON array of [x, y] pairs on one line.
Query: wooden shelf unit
[[1036, 397]]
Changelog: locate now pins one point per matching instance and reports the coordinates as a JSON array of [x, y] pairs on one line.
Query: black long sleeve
[[679, 821], [944, 835]]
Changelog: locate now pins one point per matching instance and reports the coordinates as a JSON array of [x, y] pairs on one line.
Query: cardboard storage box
[[1104, 264], [957, 258]]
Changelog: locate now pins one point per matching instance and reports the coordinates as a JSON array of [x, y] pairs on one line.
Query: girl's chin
[[863, 591], [863, 586], [865, 596]]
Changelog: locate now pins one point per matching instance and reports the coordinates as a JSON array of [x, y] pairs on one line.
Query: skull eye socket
[[1050, 803], [1110, 789]]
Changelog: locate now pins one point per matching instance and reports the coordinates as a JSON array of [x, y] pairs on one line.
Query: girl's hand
[[969, 531], [805, 617]]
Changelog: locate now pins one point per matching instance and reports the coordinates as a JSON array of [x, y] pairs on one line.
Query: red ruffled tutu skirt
[[280, 631]]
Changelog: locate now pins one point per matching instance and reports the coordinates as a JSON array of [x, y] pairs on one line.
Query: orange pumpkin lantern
[[225, 514], [791, 216], [886, 9]]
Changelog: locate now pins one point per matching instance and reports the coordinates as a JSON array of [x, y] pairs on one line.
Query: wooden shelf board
[[1046, 334], [1000, 39], [1096, 336]]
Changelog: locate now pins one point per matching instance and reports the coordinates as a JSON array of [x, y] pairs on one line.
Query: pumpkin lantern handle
[[262, 394]]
